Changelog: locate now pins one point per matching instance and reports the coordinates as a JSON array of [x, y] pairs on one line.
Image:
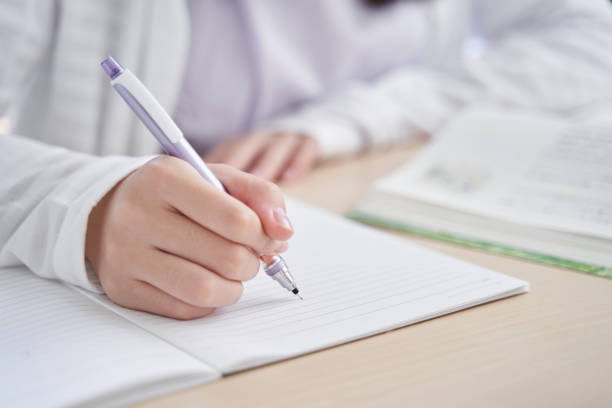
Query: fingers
[[167, 242], [184, 190], [217, 153], [186, 239], [279, 151], [263, 197], [239, 153], [303, 160], [269, 155], [145, 297], [187, 281]]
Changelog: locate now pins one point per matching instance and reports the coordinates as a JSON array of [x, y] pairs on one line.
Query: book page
[[527, 169], [59, 348], [356, 282]]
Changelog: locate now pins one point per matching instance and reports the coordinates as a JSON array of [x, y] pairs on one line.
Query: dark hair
[[378, 3], [383, 3]]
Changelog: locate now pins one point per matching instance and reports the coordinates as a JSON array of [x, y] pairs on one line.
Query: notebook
[[514, 183], [64, 346]]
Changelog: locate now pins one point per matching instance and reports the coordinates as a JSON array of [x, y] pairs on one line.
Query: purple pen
[[161, 125]]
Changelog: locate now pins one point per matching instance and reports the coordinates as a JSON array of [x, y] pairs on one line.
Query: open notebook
[[63, 346], [516, 183]]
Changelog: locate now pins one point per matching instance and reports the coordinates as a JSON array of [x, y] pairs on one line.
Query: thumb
[[263, 197]]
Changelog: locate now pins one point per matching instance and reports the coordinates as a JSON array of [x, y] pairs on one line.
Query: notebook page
[[356, 282], [523, 168], [58, 348]]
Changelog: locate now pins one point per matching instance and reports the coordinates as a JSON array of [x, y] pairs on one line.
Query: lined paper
[[58, 348], [355, 281]]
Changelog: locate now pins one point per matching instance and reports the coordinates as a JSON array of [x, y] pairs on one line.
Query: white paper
[[355, 281], [58, 348], [527, 169]]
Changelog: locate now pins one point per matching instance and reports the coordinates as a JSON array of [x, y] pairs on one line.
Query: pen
[[167, 133]]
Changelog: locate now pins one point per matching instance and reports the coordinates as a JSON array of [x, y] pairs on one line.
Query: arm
[[549, 55], [46, 195], [157, 237]]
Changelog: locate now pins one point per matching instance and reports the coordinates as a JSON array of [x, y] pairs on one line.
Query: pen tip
[[296, 292]]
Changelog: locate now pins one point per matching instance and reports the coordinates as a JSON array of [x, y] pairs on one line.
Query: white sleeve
[[26, 29], [46, 195], [539, 54]]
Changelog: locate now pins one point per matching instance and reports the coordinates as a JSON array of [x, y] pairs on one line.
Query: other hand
[[274, 156], [167, 242]]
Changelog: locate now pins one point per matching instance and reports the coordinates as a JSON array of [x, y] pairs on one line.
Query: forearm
[[46, 196], [536, 55]]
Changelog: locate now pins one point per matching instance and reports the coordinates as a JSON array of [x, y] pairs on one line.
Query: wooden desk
[[549, 348]]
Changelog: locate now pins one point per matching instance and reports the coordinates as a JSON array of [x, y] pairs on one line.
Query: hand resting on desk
[[274, 156], [167, 242]]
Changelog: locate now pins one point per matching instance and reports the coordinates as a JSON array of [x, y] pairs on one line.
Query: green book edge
[[485, 246]]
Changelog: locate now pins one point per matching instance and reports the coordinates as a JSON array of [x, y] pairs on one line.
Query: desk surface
[[550, 347]]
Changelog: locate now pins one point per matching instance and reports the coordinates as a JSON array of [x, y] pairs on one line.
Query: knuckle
[[234, 262], [232, 293], [267, 189], [251, 270], [221, 169], [242, 223], [201, 291], [163, 171], [273, 191], [269, 246], [239, 263], [309, 142], [156, 173], [260, 135], [183, 311], [158, 167]]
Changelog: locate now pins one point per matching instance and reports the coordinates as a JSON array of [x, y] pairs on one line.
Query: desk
[[549, 348]]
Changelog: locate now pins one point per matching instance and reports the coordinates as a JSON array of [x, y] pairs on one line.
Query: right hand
[[166, 241]]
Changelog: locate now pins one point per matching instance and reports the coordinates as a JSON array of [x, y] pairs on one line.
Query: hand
[[167, 242], [274, 156]]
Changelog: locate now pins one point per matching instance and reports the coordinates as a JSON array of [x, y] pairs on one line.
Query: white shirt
[[363, 76], [250, 62], [307, 72]]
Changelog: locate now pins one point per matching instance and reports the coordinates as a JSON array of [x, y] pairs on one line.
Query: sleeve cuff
[[335, 136], [80, 193]]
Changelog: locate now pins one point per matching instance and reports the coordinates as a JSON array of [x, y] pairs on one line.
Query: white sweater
[[53, 89]]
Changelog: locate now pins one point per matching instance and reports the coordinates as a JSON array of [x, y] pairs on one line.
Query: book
[[520, 184], [61, 345]]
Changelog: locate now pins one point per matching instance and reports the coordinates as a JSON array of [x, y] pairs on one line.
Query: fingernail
[[280, 216]]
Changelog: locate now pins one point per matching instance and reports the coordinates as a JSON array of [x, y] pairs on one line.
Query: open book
[[64, 346], [514, 183]]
